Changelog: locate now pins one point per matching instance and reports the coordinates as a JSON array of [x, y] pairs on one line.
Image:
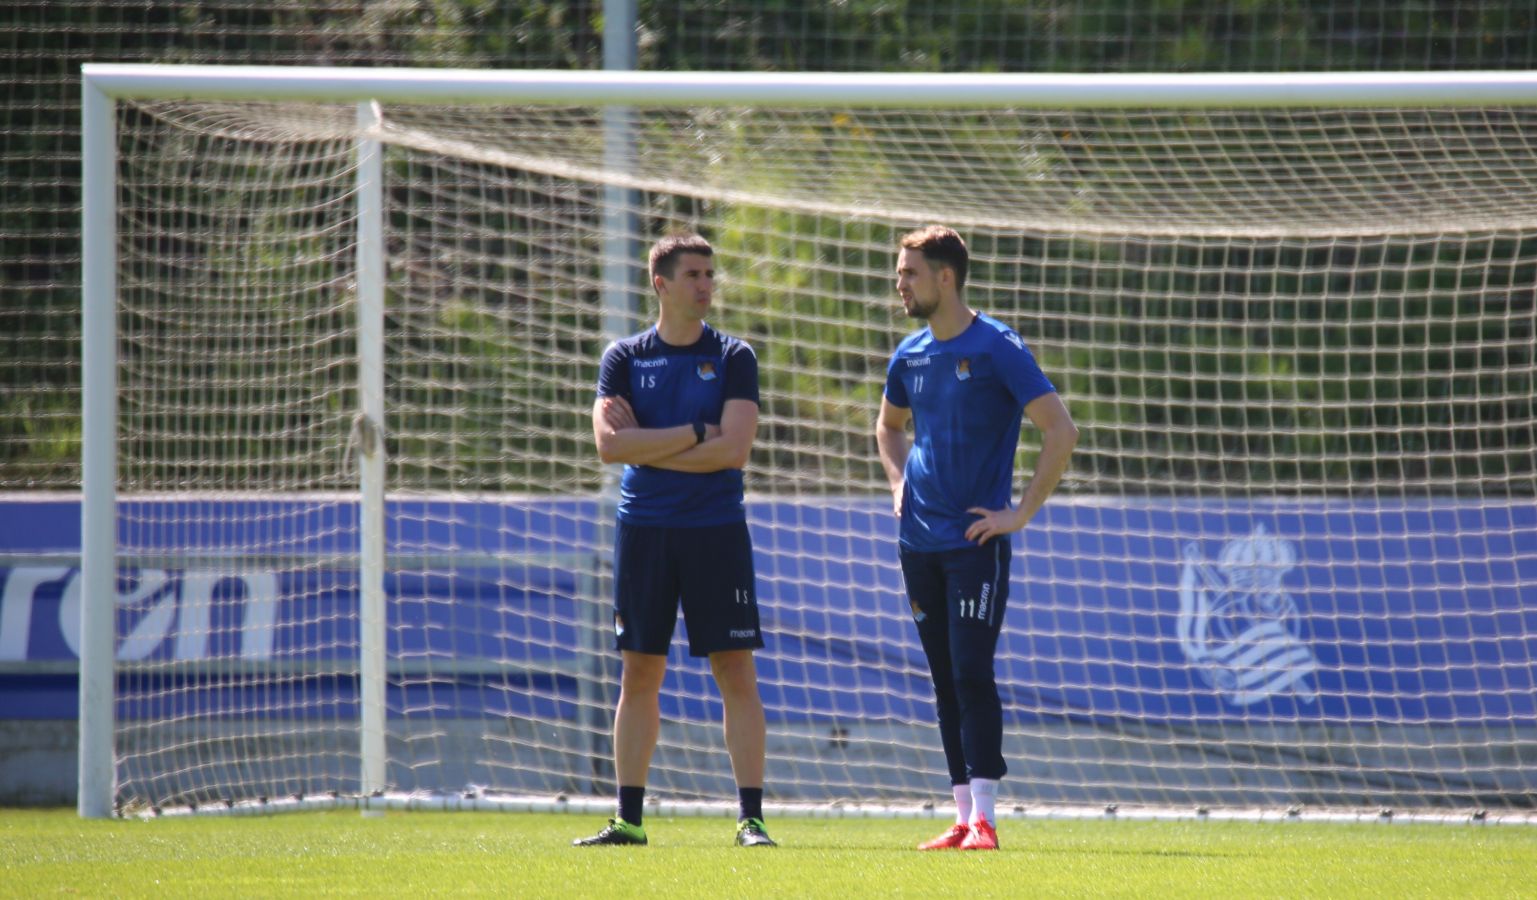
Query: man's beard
[[918, 311]]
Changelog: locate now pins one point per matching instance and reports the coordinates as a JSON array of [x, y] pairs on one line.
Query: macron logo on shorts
[[744, 632]]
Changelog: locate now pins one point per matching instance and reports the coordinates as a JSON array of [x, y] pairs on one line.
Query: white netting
[[1292, 563], [1250, 172]]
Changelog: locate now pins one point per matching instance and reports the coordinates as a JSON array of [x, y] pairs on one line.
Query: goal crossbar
[[618, 88]]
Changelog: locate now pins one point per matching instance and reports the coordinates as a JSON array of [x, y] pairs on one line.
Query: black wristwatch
[[698, 432]]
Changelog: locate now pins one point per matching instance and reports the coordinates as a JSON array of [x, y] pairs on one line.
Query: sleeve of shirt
[[614, 372], [1020, 371], [741, 373], [896, 391]]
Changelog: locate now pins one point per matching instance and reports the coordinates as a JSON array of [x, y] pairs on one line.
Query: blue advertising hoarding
[[1169, 610]]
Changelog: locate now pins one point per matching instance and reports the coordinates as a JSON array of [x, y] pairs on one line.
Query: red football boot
[[981, 837], [950, 840]]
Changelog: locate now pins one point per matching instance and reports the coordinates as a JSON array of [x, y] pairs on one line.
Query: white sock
[[962, 794], [984, 800]]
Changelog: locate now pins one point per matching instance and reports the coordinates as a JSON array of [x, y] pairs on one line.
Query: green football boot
[[616, 833], [750, 833]]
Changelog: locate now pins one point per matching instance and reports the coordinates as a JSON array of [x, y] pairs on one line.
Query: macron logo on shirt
[[649, 363], [919, 361]]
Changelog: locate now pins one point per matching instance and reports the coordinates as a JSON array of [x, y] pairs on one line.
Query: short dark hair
[[941, 245], [664, 256]]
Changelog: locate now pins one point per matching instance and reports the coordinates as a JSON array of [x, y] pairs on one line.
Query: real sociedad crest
[[1239, 627], [963, 369], [706, 370]]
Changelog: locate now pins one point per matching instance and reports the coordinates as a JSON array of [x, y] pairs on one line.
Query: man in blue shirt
[[678, 405], [964, 381]]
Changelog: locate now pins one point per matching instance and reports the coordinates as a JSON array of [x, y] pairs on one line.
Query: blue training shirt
[[967, 397], [669, 386]]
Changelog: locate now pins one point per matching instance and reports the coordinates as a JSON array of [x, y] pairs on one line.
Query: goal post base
[[491, 802]]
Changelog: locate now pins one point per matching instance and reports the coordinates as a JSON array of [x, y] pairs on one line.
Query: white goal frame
[[104, 84]]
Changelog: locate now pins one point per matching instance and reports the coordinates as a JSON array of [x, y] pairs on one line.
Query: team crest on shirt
[[706, 370], [963, 369]]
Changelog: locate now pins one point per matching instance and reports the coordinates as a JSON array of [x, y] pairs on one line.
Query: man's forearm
[[714, 455], [1050, 466], [891, 444], [645, 446]]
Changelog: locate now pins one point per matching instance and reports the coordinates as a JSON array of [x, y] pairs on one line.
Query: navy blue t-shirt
[[967, 396], [669, 386]]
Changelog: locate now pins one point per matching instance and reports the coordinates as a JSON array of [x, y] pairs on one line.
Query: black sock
[[632, 803], [750, 801]]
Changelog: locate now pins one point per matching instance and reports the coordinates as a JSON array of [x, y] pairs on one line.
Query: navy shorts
[[709, 570]]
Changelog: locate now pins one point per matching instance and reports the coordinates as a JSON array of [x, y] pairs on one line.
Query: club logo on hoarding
[[1239, 627]]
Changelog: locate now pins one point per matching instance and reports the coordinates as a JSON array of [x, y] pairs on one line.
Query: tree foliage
[[1435, 390]]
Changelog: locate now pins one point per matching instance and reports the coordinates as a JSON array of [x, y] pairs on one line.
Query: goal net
[[1293, 564]]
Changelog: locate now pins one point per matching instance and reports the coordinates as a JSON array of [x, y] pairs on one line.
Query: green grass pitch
[[52, 853]]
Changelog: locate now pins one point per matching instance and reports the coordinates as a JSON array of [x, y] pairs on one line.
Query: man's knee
[[734, 671], [642, 672], [974, 679]]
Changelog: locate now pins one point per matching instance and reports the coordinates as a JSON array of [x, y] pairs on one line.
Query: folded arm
[[726, 447], [620, 438]]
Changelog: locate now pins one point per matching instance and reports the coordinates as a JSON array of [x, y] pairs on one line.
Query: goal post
[[344, 539], [98, 541], [368, 440]]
